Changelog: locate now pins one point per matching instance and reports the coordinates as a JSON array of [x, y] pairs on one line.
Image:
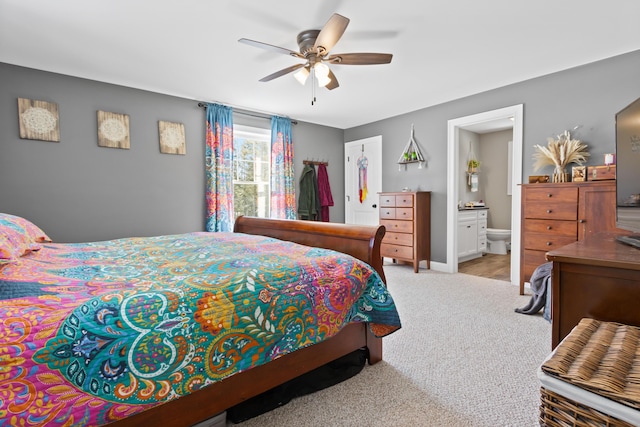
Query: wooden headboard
[[359, 241]]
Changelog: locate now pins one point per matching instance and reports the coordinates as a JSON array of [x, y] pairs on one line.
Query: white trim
[[453, 127]]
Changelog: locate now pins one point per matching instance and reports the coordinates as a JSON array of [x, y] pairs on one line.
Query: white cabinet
[[472, 233], [467, 234], [482, 231]]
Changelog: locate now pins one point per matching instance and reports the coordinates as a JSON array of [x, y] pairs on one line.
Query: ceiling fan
[[314, 50]]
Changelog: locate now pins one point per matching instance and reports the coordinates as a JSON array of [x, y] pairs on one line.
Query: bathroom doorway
[[504, 118]]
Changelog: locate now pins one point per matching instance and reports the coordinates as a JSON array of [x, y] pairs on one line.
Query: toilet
[[497, 240]]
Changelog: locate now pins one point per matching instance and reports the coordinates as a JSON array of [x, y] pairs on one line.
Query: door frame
[[377, 140], [453, 150]]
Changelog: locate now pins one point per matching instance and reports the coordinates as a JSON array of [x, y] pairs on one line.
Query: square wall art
[[113, 130], [172, 139], [39, 120]]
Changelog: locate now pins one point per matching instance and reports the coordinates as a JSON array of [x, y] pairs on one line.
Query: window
[[251, 171]]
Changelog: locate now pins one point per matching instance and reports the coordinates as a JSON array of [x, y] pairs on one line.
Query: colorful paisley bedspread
[[93, 332]]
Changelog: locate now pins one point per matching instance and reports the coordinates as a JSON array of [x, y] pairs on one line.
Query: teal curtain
[[219, 168], [283, 190]]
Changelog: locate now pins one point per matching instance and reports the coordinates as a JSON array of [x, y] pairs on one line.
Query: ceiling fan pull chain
[[313, 86]]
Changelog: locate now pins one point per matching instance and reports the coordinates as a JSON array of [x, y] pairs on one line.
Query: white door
[[362, 179]]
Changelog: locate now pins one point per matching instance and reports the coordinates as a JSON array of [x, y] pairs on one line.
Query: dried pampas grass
[[559, 152]]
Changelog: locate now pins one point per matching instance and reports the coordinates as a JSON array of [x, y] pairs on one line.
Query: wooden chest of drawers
[[557, 214], [407, 218]]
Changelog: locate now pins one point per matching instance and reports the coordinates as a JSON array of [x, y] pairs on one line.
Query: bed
[[172, 330]]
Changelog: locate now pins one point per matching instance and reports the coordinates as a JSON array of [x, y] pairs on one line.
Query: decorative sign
[[113, 130], [39, 120], [172, 140]]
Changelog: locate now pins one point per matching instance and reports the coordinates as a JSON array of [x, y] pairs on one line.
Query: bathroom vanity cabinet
[[557, 214], [472, 233], [407, 218]]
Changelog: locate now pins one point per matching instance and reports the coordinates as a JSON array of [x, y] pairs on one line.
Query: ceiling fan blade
[[271, 47], [334, 81], [331, 33], [359, 58], [282, 72]]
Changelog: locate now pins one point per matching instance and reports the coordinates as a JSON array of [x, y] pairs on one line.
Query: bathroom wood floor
[[492, 266]]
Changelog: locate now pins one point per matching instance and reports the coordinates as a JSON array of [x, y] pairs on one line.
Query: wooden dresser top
[[600, 250]]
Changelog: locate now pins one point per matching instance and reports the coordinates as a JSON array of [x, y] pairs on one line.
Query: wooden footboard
[[359, 241]]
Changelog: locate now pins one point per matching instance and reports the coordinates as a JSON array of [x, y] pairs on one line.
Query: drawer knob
[[548, 210], [549, 195], [581, 221], [548, 227], [548, 243]]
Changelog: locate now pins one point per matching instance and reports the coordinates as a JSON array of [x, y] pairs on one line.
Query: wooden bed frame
[[362, 242]]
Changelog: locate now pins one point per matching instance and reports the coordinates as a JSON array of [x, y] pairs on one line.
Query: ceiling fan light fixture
[[302, 75], [323, 80], [321, 70]]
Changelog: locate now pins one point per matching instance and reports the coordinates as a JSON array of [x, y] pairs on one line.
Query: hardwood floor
[[492, 266]]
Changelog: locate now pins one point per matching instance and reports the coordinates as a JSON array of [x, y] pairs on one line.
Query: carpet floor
[[462, 358]]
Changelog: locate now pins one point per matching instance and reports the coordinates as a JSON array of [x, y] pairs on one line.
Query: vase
[[560, 174]]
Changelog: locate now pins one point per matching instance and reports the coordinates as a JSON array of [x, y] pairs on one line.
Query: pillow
[[7, 250], [13, 245], [32, 233], [18, 237]]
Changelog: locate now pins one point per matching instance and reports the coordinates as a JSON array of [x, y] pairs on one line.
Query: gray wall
[[493, 155], [587, 96], [77, 191]]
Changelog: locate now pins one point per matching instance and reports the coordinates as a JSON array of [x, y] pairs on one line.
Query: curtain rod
[[247, 113]]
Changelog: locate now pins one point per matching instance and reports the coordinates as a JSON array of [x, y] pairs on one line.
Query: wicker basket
[[559, 411], [601, 360]]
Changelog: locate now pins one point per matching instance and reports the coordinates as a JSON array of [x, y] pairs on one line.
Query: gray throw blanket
[[540, 286]]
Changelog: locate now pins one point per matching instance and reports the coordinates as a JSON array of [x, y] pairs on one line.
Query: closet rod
[[247, 113]]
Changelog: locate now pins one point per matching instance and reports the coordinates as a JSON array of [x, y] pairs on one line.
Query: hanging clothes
[[308, 197], [316, 216], [324, 192]]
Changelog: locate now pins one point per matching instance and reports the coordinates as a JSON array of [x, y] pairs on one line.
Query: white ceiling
[[442, 49]]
